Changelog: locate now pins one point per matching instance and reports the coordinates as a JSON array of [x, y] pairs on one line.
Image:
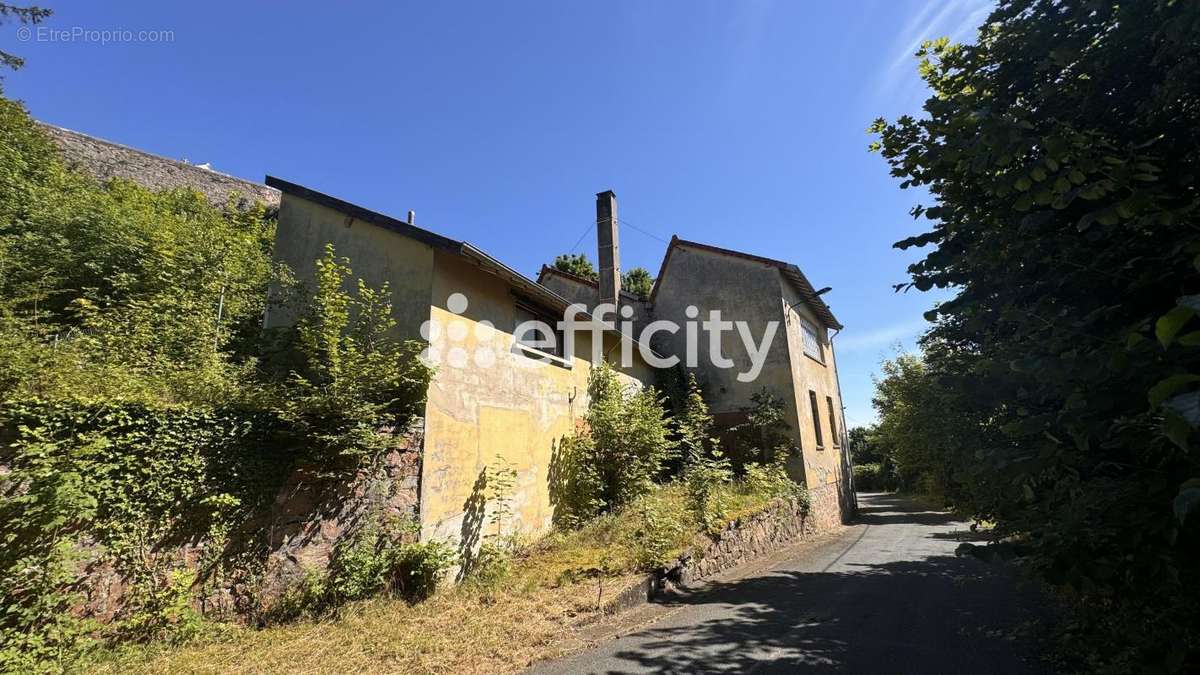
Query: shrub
[[490, 565], [659, 524], [617, 456], [354, 381], [707, 481], [764, 436], [771, 480], [693, 425], [872, 478], [382, 557], [576, 485], [416, 569], [121, 484]]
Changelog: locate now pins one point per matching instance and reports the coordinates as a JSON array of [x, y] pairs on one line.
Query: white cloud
[[956, 19], [880, 337]]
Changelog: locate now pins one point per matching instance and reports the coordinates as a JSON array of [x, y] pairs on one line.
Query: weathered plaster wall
[[756, 292], [578, 291], [824, 463], [743, 290], [825, 469], [487, 402], [377, 256]]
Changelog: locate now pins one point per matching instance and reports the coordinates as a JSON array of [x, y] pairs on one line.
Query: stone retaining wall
[[744, 539], [828, 506]]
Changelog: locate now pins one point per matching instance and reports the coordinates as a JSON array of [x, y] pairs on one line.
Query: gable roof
[[788, 270], [593, 283], [476, 256]]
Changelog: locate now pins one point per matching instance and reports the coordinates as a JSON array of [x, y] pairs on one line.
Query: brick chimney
[[608, 247]]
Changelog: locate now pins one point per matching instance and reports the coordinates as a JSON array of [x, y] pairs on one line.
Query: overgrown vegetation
[[531, 610], [540, 592], [619, 453], [137, 418], [577, 264], [1056, 393], [147, 422], [638, 282]]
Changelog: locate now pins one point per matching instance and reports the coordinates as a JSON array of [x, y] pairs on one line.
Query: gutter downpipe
[[848, 461]]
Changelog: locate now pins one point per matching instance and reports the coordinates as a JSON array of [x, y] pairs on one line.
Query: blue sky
[[739, 124]]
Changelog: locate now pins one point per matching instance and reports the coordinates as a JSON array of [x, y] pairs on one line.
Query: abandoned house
[[485, 403], [800, 368]]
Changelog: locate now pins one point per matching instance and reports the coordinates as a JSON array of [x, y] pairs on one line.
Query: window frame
[[533, 312], [807, 327], [816, 415], [833, 428]]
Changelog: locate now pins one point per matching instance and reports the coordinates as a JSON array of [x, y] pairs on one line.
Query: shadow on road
[[936, 614]]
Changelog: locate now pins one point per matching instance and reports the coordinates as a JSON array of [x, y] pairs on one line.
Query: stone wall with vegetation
[[148, 422], [785, 522], [106, 160]]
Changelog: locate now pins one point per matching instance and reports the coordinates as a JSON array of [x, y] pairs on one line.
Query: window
[[532, 329], [832, 421], [812, 341], [812, 400]]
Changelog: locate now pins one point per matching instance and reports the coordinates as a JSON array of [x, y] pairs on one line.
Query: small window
[[832, 421], [816, 412], [812, 341], [534, 330]]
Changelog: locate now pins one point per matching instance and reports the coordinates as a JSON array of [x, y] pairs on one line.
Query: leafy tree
[[764, 437], [355, 381], [118, 290], [912, 422], [631, 435], [693, 426], [618, 454], [1060, 153], [638, 282], [25, 16], [579, 265]]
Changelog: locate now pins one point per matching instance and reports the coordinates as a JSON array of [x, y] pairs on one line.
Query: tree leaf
[[1169, 324], [1167, 387]]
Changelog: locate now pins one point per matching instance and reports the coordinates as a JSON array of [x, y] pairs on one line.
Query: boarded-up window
[[812, 341], [816, 412], [832, 421]]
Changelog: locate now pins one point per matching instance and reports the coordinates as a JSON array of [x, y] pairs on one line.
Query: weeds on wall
[[137, 419], [382, 557], [617, 455]]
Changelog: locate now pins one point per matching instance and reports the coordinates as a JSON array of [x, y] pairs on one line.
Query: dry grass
[[556, 587], [458, 631]]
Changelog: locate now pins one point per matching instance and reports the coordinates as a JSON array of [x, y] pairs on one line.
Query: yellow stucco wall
[[487, 402], [376, 255], [822, 465]]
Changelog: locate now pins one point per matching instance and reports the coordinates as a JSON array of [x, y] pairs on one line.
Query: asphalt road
[[886, 596]]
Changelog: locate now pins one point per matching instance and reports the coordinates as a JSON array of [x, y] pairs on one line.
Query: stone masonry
[[105, 161]]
